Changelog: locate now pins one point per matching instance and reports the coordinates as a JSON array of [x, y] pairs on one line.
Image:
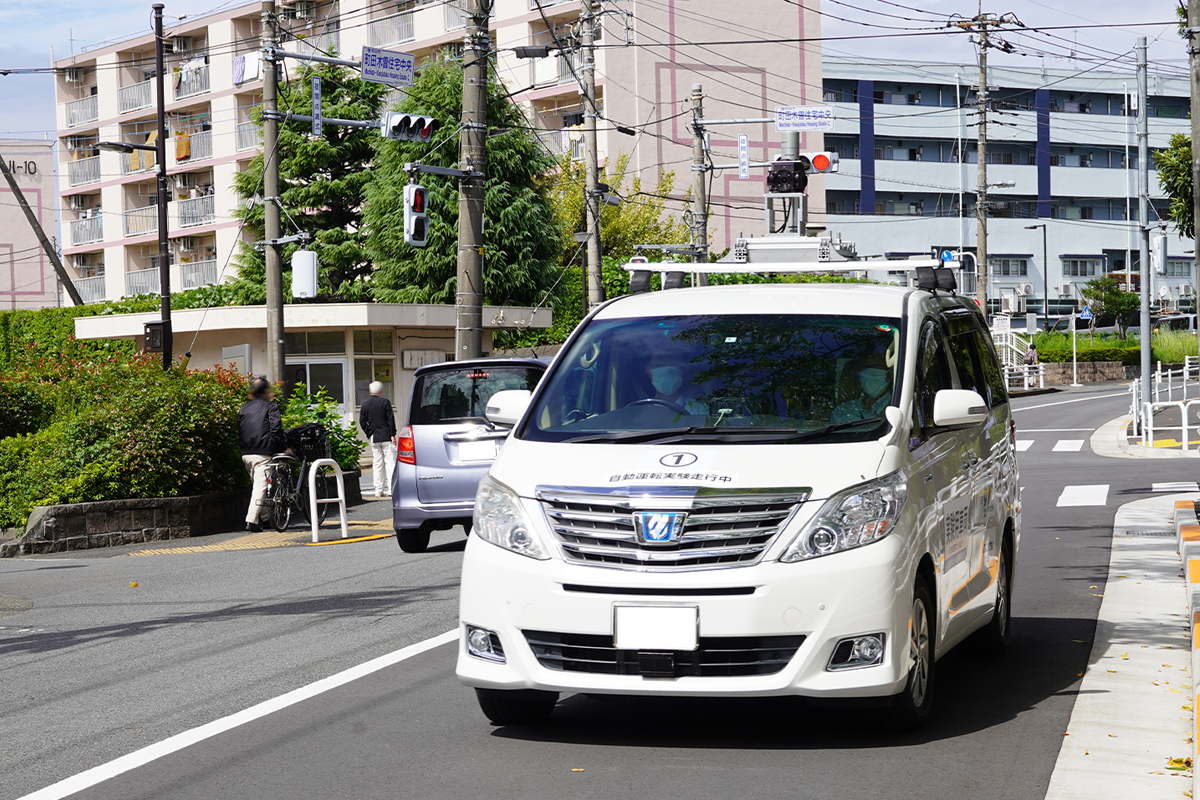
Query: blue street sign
[[947, 255], [387, 66], [1086, 313]]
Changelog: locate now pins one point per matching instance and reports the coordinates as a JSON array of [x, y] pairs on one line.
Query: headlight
[[499, 519], [860, 515]]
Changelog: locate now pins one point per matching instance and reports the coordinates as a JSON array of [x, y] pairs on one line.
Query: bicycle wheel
[[278, 498], [323, 491]]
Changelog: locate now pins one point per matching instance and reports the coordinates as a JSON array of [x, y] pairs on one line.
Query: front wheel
[[911, 708], [516, 706], [413, 540]]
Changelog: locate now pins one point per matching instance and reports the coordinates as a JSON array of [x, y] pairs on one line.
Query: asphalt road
[[96, 669]]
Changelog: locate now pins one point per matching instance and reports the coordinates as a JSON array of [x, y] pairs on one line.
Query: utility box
[[304, 274], [157, 336]]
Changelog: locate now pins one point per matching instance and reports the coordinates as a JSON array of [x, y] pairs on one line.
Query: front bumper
[[826, 600]]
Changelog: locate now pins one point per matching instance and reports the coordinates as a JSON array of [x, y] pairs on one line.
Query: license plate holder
[[482, 450], [656, 628]]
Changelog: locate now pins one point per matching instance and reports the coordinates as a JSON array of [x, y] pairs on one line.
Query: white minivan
[[756, 490]]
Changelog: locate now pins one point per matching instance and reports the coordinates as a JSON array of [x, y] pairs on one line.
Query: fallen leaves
[[1180, 763], [133, 584], [577, 769]]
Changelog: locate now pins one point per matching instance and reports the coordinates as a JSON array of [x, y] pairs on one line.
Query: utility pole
[[164, 249], [699, 190], [271, 200], [468, 329], [1143, 212], [981, 25], [47, 247], [587, 38], [1194, 63]]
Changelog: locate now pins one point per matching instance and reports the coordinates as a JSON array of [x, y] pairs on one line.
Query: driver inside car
[[874, 390], [667, 378]]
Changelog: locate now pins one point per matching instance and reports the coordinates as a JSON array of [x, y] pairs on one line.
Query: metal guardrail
[[196, 211], [195, 274], [314, 474], [139, 221], [392, 29], [1158, 390], [142, 281], [85, 231], [145, 160], [248, 136], [91, 289], [320, 44], [83, 110], [192, 83], [135, 96], [456, 15], [1026, 373], [83, 170], [200, 147]]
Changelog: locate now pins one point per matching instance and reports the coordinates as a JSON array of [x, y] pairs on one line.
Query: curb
[[1110, 441], [1187, 533]]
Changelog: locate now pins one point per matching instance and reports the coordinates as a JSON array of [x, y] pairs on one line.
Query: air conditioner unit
[[185, 180], [78, 202], [1012, 304], [1066, 290], [305, 9], [1027, 289], [74, 75], [187, 243], [181, 44], [1186, 290]]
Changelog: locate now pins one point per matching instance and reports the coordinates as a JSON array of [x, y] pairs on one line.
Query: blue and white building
[[1062, 151]]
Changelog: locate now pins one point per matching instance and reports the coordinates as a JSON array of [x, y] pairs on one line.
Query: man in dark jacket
[[260, 436], [378, 422]]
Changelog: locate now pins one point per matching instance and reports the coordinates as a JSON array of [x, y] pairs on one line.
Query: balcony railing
[[139, 95], [249, 136], [90, 289], [83, 170], [320, 44], [456, 15], [198, 273], [142, 281], [534, 5], [197, 210], [199, 147], [144, 161], [83, 111], [139, 221], [192, 82], [392, 30], [87, 230]]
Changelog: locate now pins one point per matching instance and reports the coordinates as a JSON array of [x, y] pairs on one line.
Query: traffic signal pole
[[468, 328]]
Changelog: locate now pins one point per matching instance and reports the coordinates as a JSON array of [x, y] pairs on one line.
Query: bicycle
[[287, 478]]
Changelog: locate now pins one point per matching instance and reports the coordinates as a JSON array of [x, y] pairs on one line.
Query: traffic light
[[416, 224], [791, 177], [407, 127]]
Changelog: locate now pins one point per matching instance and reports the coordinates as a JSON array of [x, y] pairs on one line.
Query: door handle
[[929, 478]]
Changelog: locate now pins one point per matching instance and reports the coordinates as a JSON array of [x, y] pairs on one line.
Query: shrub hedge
[[1128, 356]]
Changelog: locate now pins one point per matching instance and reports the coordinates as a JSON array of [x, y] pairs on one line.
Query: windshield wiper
[[840, 426], [720, 435]]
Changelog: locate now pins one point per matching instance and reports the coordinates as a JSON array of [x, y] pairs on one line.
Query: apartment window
[[914, 99], [914, 153], [1087, 212], [1178, 268], [1080, 267], [881, 96], [916, 209], [1009, 267], [315, 343]]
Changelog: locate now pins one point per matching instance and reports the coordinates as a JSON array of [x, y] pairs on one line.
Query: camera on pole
[[416, 224], [407, 127], [791, 177]]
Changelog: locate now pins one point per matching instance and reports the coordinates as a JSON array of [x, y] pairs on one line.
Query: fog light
[[484, 644], [861, 651]]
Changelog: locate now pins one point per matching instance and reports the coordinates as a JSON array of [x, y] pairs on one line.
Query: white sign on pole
[[743, 156], [803, 118], [317, 129], [387, 66]]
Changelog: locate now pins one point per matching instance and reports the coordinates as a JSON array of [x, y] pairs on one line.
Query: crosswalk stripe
[[1068, 446], [1177, 486], [1089, 495], [1024, 444]]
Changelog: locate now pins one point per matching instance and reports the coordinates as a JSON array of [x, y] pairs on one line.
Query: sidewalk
[[1134, 710]]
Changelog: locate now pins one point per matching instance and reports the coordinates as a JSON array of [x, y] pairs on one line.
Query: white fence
[[195, 274], [83, 110], [142, 281], [1010, 346], [392, 29], [139, 95], [1031, 376], [83, 170], [192, 83], [320, 44], [1164, 388], [200, 147], [248, 135], [84, 231], [137, 161], [197, 210], [140, 221], [91, 289]]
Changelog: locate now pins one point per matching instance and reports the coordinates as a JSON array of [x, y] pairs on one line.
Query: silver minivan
[[448, 444]]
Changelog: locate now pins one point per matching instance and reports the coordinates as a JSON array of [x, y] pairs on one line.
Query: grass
[[1169, 347]]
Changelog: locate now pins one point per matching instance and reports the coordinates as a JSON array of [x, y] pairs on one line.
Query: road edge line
[[1187, 532], [99, 774]]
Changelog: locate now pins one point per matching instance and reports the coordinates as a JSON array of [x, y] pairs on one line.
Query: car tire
[[413, 540], [911, 708], [516, 707], [992, 639]]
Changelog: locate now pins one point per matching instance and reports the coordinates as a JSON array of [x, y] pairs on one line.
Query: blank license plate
[[656, 627], [477, 451]]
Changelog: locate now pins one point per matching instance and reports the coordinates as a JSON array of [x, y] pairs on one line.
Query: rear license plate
[[477, 451], [656, 627]]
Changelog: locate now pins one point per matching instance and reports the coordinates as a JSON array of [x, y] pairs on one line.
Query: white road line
[[1076, 400], [1178, 486], [138, 758], [1093, 495], [1055, 430], [1068, 446], [1024, 444]]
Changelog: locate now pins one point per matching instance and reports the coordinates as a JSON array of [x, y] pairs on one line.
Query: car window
[[933, 374], [993, 389], [962, 352], [453, 395]]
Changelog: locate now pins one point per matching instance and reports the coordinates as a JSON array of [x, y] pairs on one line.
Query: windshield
[[455, 394], [729, 377]]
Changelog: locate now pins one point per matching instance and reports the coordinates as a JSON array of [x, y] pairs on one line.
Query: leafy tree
[[1174, 166], [1106, 298], [521, 233], [322, 181]]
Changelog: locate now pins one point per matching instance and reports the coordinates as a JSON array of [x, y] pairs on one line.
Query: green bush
[[1128, 356], [1171, 347], [113, 428], [344, 445]]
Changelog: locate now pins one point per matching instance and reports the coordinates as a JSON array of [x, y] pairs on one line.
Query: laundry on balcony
[[183, 146], [139, 161], [239, 69]]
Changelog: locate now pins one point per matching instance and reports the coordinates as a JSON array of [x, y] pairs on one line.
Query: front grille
[[721, 530], [717, 656]]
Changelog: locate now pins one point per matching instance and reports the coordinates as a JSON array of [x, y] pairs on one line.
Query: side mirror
[[956, 409], [507, 407]]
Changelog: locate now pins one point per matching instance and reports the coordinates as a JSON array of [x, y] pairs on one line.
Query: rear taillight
[[1012, 431], [406, 448]]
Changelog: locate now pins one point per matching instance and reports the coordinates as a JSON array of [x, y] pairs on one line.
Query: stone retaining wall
[[1089, 372]]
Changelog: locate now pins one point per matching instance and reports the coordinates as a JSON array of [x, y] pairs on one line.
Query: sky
[[29, 30]]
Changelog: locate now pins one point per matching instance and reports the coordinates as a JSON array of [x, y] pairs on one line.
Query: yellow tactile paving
[[253, 541]]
